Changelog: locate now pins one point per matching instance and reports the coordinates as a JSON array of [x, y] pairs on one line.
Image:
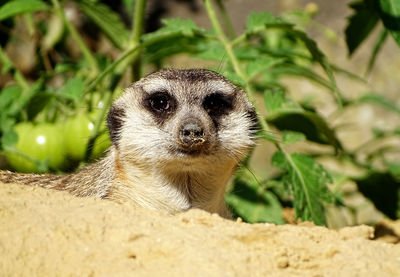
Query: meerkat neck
[[171, 188], [202, 189]]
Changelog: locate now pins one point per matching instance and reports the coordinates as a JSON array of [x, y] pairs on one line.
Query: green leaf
[[382, 188], [289, 137], [6, 63], [394, 169], [38, 102], [257, 66], [378, 132], [7, 96], [257, 20], [298, 70], [320, 58], [263, 21], [169, 47], [174, 27], [379, 100], [234, 78], [248, 53], [9, 138], [6, 122], [275, 101], [390, 15], [186, 26], [13, 99], [13, 8], [108, 21], [396, 131], [312, 125], [73, 89], [129, 5], [268, 135], [308, 181], [62, 67], [360, 24], [26, 95], [348, 74], [253, 203], [210, 50]]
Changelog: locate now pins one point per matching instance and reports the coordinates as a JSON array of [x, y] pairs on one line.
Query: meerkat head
[[183, 117]]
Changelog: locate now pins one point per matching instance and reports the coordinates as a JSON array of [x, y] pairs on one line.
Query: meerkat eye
[[160, 102], [217, 103]]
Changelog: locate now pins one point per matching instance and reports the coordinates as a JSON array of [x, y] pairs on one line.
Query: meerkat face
[[183, 116]]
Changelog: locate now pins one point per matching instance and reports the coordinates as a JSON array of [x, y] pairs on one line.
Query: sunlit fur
[[144, 164]]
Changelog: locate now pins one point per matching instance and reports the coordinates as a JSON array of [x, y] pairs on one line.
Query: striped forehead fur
[[159, 83]]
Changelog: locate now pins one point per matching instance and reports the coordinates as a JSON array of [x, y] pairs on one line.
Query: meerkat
[[177, 138]]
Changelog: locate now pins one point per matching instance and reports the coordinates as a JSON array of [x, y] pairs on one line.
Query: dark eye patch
[[160, 103], [217, 104]]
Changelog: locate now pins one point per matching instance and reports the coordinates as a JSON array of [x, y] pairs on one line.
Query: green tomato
[[101, 144], [77, 131], [42, 142]]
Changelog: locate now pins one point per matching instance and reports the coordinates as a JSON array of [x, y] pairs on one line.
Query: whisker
[[223, 58], [236, 156]]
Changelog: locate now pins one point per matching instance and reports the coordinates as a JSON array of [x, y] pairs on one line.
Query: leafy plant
[[269, 48], [367, 14]]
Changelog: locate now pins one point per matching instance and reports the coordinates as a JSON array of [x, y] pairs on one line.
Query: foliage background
[[300, 86]]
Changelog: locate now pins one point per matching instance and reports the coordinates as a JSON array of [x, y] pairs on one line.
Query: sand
[[50, 233]]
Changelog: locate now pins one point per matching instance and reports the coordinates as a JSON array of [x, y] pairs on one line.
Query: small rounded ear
[[114, 123], [255, 125]]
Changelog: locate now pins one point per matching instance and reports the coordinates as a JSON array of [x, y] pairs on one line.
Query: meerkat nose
[[191, 134]]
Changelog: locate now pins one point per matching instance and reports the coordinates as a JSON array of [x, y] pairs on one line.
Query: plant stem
[[137, 31], [29, 24], [239, 39], [227, 45], [111, 68], [138, 23], [74, 33], [232, 57], [126, 55], [227, 22], [378, 45], [97, 124]]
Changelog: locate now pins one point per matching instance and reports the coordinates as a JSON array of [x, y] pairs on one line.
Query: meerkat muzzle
[[191, 135]]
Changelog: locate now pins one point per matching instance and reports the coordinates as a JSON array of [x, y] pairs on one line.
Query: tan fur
[[144, 164]]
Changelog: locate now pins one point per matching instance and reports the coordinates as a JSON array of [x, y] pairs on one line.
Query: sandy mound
[[50, 233]]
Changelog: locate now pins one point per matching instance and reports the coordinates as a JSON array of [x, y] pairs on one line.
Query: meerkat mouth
[[191, 152]]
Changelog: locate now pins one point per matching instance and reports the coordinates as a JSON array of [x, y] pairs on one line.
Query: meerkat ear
[[114, 123], [255, 125]]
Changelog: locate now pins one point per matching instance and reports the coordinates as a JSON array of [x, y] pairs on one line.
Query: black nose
[[191, 134]]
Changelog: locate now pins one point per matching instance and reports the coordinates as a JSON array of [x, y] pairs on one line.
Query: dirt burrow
[[50, 233]]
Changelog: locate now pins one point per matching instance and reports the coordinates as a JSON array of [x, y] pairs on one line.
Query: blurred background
[[329, 67]]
